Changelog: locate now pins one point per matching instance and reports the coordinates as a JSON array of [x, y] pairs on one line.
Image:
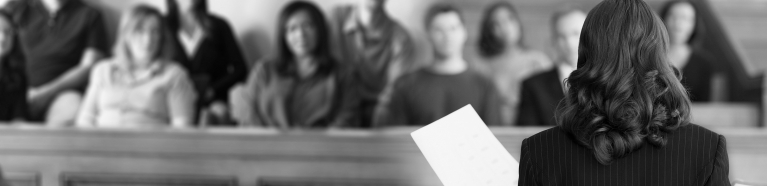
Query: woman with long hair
[[298, 87], [504, 57], [685, 33], [139, 87], [625, 117], [208, 48], [13, 80]]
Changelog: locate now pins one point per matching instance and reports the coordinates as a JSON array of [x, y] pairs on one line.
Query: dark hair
[[14, 60], [489, 44], [438, 9], [697, 31], [200, 12], [284, 58], [624, 92]]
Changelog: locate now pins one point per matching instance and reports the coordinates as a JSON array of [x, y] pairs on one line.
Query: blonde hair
[[130, 22]]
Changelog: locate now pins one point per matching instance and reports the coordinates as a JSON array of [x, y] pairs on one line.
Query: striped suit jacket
[[693, 155]]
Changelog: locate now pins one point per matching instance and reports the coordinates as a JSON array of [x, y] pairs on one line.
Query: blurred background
[[736, 39]]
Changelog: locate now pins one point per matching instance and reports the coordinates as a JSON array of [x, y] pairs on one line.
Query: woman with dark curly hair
[[625, 117]]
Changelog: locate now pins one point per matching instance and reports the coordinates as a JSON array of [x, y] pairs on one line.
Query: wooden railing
[[52, 157]]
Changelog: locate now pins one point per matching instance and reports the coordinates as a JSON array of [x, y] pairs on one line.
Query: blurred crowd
[[184, 68]]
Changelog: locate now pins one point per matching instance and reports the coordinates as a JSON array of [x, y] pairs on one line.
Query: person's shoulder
[[174, 69], [694, 133], [545, 135], [85, 8], [409, 79], [541, 77], [218, 22], [103, 65]]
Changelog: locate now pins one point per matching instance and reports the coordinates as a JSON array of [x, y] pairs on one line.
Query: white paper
[[463, 151]]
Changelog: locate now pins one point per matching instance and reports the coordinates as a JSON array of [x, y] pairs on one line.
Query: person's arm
[[397, 112], [181, 100], [242, 99], [234, 61], [528, 172], [96, 49], [86, 117], [721, 165]]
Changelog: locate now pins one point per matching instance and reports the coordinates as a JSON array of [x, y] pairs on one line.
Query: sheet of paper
[[463, 151]]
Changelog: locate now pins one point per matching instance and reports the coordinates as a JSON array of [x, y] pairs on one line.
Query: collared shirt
[[564, 72], [157, 96], [54, 44]]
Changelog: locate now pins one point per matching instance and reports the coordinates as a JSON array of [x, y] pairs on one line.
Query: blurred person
[[379, 50], [422, 97], [213, 56], [61, 40], [13, 81], [504, 57], [139, 87], [542, 92], [625, 117], [685, 32], [298, 87]]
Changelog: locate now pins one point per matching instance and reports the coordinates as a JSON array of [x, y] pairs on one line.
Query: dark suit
[[540, 96], [693, 156]]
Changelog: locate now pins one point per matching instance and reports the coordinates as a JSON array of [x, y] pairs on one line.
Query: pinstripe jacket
[[693, 156]]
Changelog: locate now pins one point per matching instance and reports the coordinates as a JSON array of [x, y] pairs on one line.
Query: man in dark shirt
[[447, 85], [61, 40], [541, 93]]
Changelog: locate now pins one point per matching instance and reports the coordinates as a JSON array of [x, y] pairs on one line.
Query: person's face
[[6, 36], [568, 31], [144, 41], [505, 27], [186, 5], [447, 34], [680, 22], [301, 33]]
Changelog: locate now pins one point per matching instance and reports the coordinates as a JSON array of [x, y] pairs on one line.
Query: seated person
[[503, 56], [379, 49], [626, 117], [685, 33], [61, 40], [139, 87], [13, 82], [447, 84], [213, 57], [541, 93], [298, 88]]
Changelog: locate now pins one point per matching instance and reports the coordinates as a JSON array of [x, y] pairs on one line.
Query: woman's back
[[692, 155]]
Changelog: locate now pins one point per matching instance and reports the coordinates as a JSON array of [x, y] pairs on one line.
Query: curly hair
[[624, 92]]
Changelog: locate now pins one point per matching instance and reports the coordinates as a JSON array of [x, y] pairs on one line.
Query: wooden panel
[[747, 150], [287, 181], [100, 179], [246, 154], [266, 157], [19, 179]]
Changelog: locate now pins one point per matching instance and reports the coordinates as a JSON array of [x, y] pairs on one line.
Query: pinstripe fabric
[[693, 156]]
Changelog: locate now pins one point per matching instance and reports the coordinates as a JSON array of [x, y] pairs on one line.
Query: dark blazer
[[217, 64], [693, 155], [541, 94]]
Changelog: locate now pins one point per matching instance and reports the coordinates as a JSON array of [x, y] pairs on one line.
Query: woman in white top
[[139, 87], [503, 56]]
